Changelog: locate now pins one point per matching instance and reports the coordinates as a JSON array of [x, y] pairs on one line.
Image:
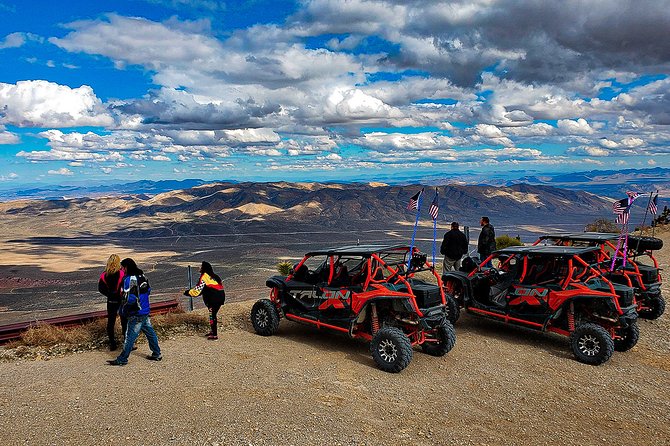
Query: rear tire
[[446, 336], [591, 344], [391, 349], [629, 337], [264, 317], [656, 308]]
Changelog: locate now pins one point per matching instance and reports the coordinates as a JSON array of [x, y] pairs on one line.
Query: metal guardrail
[[14, 331]]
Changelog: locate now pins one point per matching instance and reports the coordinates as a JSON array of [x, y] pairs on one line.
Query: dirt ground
[[498, 386]]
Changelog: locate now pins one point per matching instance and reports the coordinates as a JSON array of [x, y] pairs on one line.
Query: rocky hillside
[[207, 207]]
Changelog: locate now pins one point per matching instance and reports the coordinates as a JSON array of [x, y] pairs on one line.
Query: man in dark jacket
[[454, 247], [487, 240]]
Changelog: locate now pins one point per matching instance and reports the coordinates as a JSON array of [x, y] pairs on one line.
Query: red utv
[[551, 288], [640, 272], [365, 292]]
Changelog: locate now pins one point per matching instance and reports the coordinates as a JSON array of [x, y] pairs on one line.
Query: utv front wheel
[[629, 337], [591, 344], [656, 307], [452, 310], [264, 317], [446, 339], [391, 349]]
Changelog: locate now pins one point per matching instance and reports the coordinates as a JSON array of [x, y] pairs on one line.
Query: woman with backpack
[[110, 285], [210, 286]]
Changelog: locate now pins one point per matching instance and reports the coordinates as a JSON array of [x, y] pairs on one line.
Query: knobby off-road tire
[[447, 339], [391, 349], [656, 308], [629, 337], [644, 243], [452, 310], [591, 344], [453, 292], [264, 317]]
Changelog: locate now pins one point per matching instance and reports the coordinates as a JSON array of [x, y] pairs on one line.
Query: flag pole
[[644, 220], [653, 219], [416, 222], [434, 211], [625, 245], [616, 251], [434, 239]]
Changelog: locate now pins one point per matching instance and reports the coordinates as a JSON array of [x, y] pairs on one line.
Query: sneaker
[[116, 362], [212, 337], [155, 358]]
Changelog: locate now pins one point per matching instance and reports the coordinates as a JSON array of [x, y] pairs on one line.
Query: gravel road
[[499, 385]]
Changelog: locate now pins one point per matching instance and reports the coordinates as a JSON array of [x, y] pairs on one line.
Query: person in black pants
[[110, 285], [454, 247], [487, 240], [210, 286]]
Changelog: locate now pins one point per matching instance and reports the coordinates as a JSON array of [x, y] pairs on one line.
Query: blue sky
[[113, 91]]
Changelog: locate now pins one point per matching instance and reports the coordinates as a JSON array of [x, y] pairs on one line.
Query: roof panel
[[359, 250]]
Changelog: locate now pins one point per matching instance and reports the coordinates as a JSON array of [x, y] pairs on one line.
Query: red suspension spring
[[571, 318], [375, 319]]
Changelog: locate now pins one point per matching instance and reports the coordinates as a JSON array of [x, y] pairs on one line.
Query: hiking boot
[[116, 362], [212, 337], [155, 358]]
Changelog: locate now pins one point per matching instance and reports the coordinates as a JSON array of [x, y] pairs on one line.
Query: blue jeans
[[135, 325], [483, 256]]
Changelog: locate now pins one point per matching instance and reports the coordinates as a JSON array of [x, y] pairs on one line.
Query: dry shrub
[[602, 225], [505, 241], [44, 335], [178, 320], [95, 334]]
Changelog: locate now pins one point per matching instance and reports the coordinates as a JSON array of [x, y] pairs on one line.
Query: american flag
[[653, 205], [620, 206], [622, 218], [432, 210], [414, 201], [632, 196]]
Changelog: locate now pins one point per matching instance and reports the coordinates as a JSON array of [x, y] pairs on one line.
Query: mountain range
[[608, 183], [216, 207]]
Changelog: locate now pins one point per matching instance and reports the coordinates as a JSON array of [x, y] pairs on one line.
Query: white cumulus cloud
[[572, 127], [62, 171], [355, 104], [7, 137], [46, 104]]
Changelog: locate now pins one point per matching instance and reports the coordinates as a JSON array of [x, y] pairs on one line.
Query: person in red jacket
[[110, 285], [210, 287]]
